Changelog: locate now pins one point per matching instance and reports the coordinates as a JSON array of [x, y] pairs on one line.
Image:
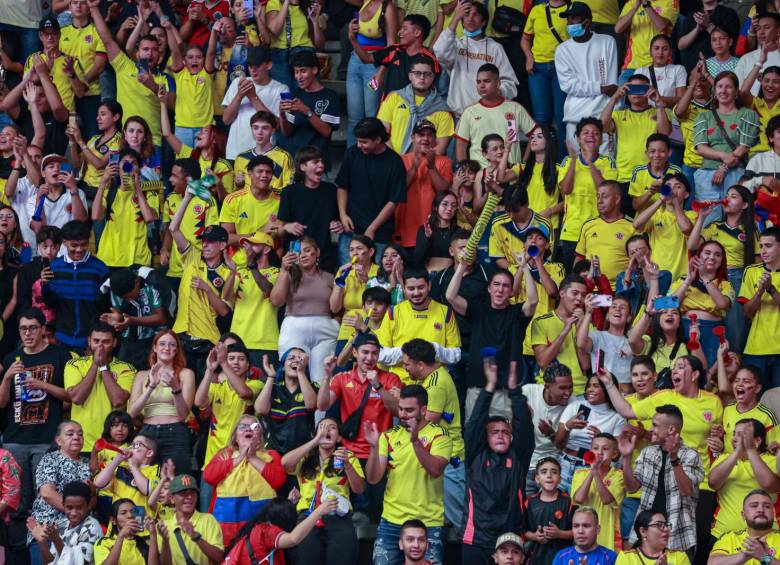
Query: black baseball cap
[[576, 9], [49, 23], [366, 338], [424, 124], [257, 55], [215, 233]]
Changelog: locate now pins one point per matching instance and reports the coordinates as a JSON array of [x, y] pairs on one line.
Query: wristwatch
[[197, 537], [766, 559], [309, 114], [103, 368], [377, 385], [675, 462]]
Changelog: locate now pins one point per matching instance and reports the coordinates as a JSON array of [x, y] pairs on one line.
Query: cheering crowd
[[528, 315]]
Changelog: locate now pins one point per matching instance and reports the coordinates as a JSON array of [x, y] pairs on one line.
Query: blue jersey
[[598, 556]]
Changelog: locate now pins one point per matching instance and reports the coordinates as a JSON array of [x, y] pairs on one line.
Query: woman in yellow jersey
[[705, 295], [93, 155], [540, 176], [351, 279], [324, 468], [163, 397], [661, 336], [209, 150], [652, 532], [253, 22], [122, 544], [294, 26], [739, 236], [765, 104], [377, 24], [432, 250]]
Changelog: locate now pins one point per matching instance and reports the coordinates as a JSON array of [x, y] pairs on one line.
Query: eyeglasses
[[28, 329], [422, 74], [659, 525], [243, 427], [138, 445]]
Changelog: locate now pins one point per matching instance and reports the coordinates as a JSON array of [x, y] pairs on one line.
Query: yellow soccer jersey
[[206, 525], [284, 169], [691, 157], [608, 241], [123, 484], [579, 205], [698, 299], [609, 514], [546, 303], [219, 167], [337, 482], [732, 240], [633, 557], [411, 492], [633, 129], [92, 413], [765, 113], [762, 339], [296, 30], [194, 102], [226, 410], [85, 45], [395, 114], [642, 178], [506, 239], [699, 415], [732, 543], [668, 242], [443, 399], [130, 553], [254, 317], [539, 199], [199, 215], [643, 30], [124, 240], [402, 322], [759, 412], [247, 213], [479, 120], [544, 42], [544, 330], [91, 175]]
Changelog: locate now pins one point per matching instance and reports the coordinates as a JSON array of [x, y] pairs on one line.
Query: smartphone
[[286, 96], [600, 360], [666, 303], [601, 301], [45, 262], [143, 65], [113, 158], [373, 84], [295, 246], [638, 88], [240, 30], [356, 15], [139, 513], [511, 128], [248, 5], [583, 411], [66, 168], [72, 117]]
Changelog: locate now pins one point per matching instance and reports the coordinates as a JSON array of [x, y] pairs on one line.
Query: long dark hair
[[113, 531], [433, 219], [657, 333], [643, 520], [747, 221], [278, 511], [310, 466], [296, 273], [774, 69], [118, 417], [549, 168]]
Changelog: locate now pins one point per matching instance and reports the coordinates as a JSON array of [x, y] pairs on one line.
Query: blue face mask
[[475, 33], [575, 30]]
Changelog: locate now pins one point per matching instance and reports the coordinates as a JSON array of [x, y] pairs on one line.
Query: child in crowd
[[118, 432], [547, 514], [376, 301], [131, 473], [264, 125], [602, 488], [723, 58]]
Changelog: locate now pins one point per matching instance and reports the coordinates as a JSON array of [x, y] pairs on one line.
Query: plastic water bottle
[[24, 395]]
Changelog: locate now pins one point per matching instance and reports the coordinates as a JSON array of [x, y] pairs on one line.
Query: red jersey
[[264, 538]]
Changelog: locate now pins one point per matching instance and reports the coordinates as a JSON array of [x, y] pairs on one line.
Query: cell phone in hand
[[666, 303], [583, 411], [286, 96], [66, 168], [139, 513], [600, 360], [638, 89], [601, 301]]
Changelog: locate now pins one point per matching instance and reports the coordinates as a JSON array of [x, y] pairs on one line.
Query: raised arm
[[112, 49]]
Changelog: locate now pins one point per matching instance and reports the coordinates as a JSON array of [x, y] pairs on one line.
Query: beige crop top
[[160, 403]]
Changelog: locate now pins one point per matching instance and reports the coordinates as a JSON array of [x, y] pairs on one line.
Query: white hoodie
[[462, 58], [764, 164], [582, 69]]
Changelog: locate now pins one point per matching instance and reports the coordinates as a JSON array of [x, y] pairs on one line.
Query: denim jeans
[[548, 100], [187, 135], [454, 492], [708, 340], [343, 251], [705, 190], [173, 442], [204, 498], [569, 465], [362, 102], [280, 67], [627, 515], [386, 551], [768, 367], [736, 330], [689, 173], [29, 42]]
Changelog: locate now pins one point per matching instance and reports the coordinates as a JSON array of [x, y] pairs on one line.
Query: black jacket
[[496, 483]]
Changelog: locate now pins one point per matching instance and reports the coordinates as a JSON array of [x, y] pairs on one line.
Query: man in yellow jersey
[[200, 301], [758, 543], [605, 236], [60, 66], [97, 383], [552, 335], [682, 472], [633, 125], [252, 209], [760, 299], [646, 180], [419, 100], [418, 316], [414, 454], [263, 126], [81, 41], [198, 215], [419, 358], [137, 82]]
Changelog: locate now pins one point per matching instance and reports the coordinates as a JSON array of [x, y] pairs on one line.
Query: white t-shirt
[[617, 354], [602, 416], [58, 212], [240, 137], [542, 411], [669, 78], [748, 60]]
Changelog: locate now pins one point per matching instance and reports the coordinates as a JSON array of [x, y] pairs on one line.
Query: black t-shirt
[[723, 17], [325, 103], [503, 329], [315, 208], [56, 141], [397, 61], [26, 278], [34, 418], [6, 166], [541, 513], [372, 181], [473, 288]]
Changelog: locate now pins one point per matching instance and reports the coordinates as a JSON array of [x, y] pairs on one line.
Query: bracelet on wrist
[[177, 391], [566, 427]]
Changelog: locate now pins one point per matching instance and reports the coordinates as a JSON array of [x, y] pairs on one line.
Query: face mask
[[575, 30], [475, 33]]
